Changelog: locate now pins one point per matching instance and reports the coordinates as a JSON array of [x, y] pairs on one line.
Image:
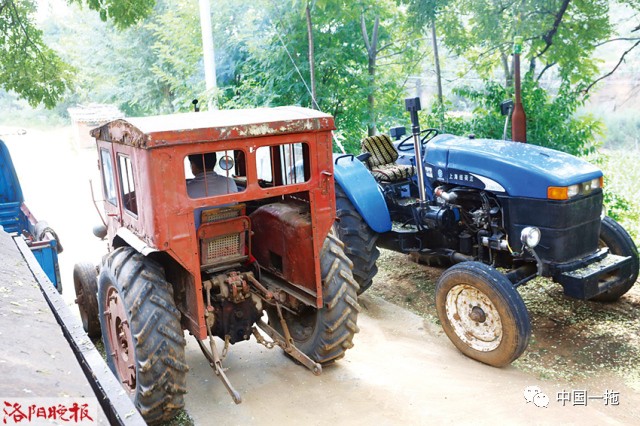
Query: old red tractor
[[250, 233]]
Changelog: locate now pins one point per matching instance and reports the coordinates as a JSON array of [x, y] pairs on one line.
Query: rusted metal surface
[[165, 219], [188, 128], [518, 117], [286, 344], [120, 339], [474, 318], [283, 243]]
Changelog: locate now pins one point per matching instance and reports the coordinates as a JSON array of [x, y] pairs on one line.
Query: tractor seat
[[382, 162]]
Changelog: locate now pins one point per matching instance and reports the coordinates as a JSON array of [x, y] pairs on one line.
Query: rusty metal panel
[[166, 218], [188, 128], [283, 242]]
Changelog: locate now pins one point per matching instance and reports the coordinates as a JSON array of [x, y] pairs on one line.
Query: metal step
[[596, 278]]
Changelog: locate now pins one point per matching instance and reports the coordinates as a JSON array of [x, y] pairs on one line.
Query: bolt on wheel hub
[[474, 318], [477, 314]]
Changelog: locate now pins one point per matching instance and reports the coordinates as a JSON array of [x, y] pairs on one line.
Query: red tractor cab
[[212, 219]]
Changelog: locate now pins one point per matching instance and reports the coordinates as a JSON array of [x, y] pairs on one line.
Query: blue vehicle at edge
[[15, 218], [481, 205]]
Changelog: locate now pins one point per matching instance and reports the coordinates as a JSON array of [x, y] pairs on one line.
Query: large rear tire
[[141, 332], [617, 239], [482, 313], [85, 282], [325, 334], [359, 239]]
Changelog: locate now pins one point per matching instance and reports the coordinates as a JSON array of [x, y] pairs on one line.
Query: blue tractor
[[500, 212], [17, 219]]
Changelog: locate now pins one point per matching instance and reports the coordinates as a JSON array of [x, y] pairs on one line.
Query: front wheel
[[482, 313], [617, 239], [325, 334], [141, 332]]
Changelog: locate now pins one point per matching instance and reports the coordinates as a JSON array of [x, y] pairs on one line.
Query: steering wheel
[[429, 134]]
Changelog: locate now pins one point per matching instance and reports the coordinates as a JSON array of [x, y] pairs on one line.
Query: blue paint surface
[[13, 220], [521, 170], [363, 192]]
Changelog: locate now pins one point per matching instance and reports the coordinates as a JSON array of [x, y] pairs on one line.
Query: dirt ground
[[574, 341], [403, 369]]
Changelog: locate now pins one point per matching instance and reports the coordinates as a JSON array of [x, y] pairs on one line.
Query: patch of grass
[[182, 419], [622, 192], [99, 344], [577, 340]]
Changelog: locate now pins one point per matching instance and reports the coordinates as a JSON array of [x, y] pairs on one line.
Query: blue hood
[[517, 169]]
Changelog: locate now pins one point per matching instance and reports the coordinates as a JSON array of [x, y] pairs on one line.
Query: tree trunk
[[436, 60], [312, 61], [508, 73], [372, 53], [371, 98]]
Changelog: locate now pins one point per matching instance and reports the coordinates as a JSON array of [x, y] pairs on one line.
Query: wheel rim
[[302, 326], [474, 318], [120, 340]]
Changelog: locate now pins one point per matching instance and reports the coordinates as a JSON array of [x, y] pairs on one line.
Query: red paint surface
[[158, 146]]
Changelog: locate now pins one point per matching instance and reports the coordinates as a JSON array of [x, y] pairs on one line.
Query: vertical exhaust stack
[[518, 118], [413, 106]]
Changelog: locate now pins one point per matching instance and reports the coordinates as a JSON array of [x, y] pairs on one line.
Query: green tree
[[28, 66], [553, 121], [423, 15], [358, 84], [561, 34]]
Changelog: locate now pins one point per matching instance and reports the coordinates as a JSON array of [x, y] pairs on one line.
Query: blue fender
[[363, 191]]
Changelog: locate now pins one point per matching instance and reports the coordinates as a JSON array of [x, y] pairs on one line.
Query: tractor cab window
[[283, 164], [109, 183], [127, 184], [215, 173]]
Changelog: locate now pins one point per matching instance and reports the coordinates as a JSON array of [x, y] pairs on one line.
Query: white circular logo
[[534, 394], [530, 392], [541, 400], [440, 173]]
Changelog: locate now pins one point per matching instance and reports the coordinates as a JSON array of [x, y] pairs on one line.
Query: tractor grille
[[570, 229], [220, 247], [215, 215]]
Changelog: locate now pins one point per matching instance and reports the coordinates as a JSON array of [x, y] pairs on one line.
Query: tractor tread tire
[[85, 282], [514, 318], [617, 239], [156, 332], [334, 325], [359, 239], [340, 310]]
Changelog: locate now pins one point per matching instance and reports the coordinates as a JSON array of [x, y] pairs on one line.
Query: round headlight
[[530, 236]]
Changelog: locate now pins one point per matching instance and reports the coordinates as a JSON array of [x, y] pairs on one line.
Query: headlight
[[566, 192], [573, 190], [597, 183], [530, 236]]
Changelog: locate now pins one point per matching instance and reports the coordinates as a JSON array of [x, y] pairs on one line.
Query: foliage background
[[145, 57]]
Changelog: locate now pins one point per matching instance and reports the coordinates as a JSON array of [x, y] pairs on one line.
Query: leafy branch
[[620, 61]]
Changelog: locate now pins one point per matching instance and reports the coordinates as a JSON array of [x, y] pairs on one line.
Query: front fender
[[131, 239], [363, 191]]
